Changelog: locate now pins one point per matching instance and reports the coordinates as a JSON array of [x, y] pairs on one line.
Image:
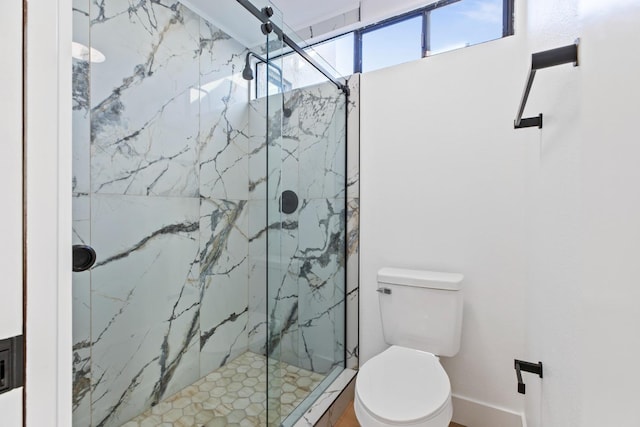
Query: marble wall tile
[[223, 138], [321, 252], [144, 300], [280, 159], [82, 332], [144, 117], [290, 144], [307, 155], [322, 143], [283, 309], [224, 278], [317, 127], [282, 284], [353, 138], [258, 151], [81, 207], [257, 332], [307, 145], [81, 290], [80, 100], [353, 222], [353, 285]]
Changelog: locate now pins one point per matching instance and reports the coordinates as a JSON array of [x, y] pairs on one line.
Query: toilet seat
[[403, 386]]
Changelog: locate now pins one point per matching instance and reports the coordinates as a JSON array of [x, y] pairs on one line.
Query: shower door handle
[[83, 257]]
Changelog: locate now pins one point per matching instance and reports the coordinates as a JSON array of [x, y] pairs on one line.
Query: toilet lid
[[403, 385]]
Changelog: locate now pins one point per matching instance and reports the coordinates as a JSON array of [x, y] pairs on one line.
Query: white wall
[[553, 247], [11, 168], [48, 170], [443, 189], [545, 224], [584, 218], [11, 179]]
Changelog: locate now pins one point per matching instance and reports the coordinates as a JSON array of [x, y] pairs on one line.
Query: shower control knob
[[83, 257], [288, 202]]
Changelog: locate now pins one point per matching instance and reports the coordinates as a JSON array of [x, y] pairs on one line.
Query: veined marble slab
[[82, 332], [321, 253], [353, 279], [145, 302], [144, 117], [353, 138], [224, 117], [322, 133], [81, 224], [224, 281], [80, 99]]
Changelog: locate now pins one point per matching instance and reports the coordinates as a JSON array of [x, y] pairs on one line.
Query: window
[[439, 27], [465, 23], [392, 44]]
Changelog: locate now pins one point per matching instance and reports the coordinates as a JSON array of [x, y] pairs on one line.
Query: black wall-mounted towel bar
[[545, 59]]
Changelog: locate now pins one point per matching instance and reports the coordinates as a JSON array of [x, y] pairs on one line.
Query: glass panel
[[337, 52], [81, 217], [335, 55], [314, 147], [161, 192], [277, 310], [203, 291], [306, 292], [393, 44], [465, 23]]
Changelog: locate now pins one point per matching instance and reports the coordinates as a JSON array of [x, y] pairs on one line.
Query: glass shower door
[[276, 272], [306, 217]]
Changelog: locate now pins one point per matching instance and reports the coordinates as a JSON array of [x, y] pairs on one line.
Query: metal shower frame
[[268, 26]]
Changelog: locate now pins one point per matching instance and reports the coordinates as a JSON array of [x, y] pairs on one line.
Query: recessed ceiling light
[[84, 53]]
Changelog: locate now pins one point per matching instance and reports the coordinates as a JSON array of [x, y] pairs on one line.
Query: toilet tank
[[421, 309]]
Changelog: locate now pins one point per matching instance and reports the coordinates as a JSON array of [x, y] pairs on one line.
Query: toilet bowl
[[403, 387]]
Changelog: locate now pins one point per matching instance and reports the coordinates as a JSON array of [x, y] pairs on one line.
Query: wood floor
[[348, 419]]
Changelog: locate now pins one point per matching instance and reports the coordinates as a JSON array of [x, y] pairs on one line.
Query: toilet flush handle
[[385, 291]]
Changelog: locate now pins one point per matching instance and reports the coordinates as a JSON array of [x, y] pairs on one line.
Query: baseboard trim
[[473, 413]]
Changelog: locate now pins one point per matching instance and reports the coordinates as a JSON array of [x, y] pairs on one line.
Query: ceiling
[[233, 19]]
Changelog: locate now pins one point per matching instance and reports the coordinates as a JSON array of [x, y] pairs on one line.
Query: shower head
[[247, 73]]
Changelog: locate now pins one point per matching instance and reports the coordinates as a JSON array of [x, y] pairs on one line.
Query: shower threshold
[[235, 395]]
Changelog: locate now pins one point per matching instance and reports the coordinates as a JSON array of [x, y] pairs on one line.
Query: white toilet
[[406, 385]]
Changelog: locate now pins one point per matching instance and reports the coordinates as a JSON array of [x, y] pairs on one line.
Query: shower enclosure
[[218, 220]]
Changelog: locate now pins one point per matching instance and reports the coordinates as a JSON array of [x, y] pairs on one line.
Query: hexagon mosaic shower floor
[[233, 395]]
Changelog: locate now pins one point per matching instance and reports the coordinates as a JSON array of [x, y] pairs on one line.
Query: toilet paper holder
[[521, 365]]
